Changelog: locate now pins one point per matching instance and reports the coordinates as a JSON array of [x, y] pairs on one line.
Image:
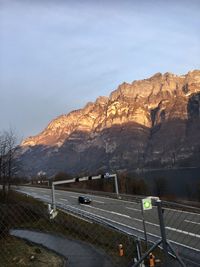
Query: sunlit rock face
[[151, 123]]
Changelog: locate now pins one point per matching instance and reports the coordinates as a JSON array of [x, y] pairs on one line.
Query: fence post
[[53, 196], [116, 184], [162, 230], [144, 226], [138, 248]]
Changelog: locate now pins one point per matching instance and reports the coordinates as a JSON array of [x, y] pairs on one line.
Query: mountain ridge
[[145, 110]]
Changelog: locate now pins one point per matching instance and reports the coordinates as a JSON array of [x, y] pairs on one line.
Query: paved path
[[77, 253], [182, 227]]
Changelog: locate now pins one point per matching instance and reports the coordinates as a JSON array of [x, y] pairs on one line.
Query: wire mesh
[[73, 233], [182, 224], [102, 225]]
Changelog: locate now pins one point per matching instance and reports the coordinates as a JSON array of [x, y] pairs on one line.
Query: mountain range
[[146, 124]]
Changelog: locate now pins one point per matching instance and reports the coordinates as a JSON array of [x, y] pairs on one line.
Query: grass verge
[[25, 254], [21, 211]]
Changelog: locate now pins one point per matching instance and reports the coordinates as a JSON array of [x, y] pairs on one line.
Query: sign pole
[[144, 225], [53, 197], [116, 184]]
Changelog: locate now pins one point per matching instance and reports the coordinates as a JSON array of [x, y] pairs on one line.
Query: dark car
[[84, 200]]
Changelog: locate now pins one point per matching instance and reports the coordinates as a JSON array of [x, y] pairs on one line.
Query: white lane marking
[[93, 200], [119, 214], [132, 209], [98, 201], [170, 228], [91, 196], [182, 211], [108, 198], [35, 195], [133, 228], [126, 201], [139, 220], [44, 198], [113, 199], [116, 213], [186, 246], [123, 215], [182, 232], [191, 222], [63, 199]]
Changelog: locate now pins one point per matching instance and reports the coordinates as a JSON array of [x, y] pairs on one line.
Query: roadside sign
[[53, 214], [107, 175], [146, 204]]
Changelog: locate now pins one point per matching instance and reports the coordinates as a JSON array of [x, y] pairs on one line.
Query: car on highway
[[84, 200]]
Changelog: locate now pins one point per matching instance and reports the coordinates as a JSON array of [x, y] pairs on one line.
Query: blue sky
[[57, 55]]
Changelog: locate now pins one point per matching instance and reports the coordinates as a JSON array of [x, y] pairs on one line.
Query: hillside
[[150, 123]]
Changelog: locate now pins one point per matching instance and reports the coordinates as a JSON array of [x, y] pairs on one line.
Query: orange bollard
[[151, 260], [121, 250]]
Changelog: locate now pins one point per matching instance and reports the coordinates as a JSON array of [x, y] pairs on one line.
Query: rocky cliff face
[[146, 124]]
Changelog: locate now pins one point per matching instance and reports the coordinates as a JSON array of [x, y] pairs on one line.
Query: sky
[[57, 55]]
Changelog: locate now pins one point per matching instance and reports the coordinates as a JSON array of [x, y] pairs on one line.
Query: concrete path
[[77, 253]]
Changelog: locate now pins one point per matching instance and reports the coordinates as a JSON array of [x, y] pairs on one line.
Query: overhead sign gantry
[[86, 178]]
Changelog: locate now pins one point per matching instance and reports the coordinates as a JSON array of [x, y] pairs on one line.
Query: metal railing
[[24, 218], [107, 224]]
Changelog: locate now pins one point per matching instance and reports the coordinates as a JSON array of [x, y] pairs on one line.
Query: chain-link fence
[[111, 229], [72, 235], [182, 224]]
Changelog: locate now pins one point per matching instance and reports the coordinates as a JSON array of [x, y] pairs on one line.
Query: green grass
[[25, 212], [28, 213], [18, 253]]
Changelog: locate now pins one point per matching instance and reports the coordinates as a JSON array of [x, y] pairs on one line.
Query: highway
[[182, 227]]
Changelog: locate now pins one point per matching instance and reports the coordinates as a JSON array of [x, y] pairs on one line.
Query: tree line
[[128, 183]]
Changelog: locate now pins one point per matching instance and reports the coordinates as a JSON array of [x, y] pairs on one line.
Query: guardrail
[[190, 255], [179, 204], [23, 212], [182, 225]]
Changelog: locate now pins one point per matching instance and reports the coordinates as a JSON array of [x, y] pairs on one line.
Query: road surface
[[182, 227]]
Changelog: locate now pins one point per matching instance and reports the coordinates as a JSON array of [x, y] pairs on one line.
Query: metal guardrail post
[[116, 184], [144, 226], [166, 245], [53, 196]]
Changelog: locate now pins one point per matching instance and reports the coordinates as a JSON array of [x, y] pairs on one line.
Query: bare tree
[[3, 150], [8, 142]]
